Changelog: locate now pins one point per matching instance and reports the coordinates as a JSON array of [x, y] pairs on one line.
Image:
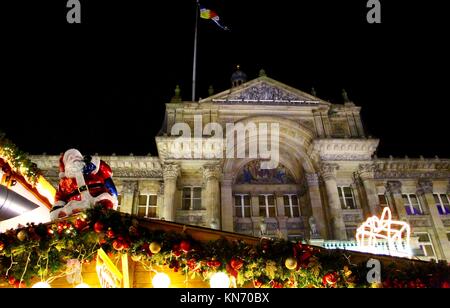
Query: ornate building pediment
[[264, 91]]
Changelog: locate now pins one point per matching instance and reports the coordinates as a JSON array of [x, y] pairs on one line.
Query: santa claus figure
[[84, 181]]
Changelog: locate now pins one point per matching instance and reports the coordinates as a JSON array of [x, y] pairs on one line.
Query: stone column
[[279, 203], [425, 189], [211, 175], [367, 173], [328, 172], [129, 191], [170, 175], [227, 204], [256, 219], [282, 217], [316, 204], [359, 124], [319, 123], [395, 189], [326, 123]]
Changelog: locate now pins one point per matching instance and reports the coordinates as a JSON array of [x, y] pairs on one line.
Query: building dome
[[238, 77]]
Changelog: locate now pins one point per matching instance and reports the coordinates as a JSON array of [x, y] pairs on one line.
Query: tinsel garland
[[42, 251], [18, 160]]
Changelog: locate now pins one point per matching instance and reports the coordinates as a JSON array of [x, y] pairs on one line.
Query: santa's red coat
[[68, 188]]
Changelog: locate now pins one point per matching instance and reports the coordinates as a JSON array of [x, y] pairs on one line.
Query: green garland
[[18, 160], [42, 251]]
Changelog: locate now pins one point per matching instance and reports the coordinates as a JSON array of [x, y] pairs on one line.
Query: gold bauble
[[291, 263], [155, 247], [22, 235]]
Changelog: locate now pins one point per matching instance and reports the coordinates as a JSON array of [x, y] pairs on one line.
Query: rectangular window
[[448, 236], [426, 245], [147, 206], [412, 204], [442, 203], [242, 206], [267, 206], [192, 198], [291, 206], [346, 197]]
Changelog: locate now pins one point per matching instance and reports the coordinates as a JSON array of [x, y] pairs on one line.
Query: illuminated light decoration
[[161, 280], [41, 285], [82, 286], [46, 189], [375, 231], [219, 280], [108, 274]]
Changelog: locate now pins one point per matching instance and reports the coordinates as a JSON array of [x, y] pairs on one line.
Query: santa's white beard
[[74, 168]]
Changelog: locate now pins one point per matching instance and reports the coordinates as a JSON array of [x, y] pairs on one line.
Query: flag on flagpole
[[210, 14]]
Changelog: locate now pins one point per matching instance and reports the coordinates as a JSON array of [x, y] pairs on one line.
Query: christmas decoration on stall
[[41, 252], [18, 161], [84, 181]]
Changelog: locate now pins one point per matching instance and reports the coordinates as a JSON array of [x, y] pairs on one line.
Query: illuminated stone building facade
[[328, 180]]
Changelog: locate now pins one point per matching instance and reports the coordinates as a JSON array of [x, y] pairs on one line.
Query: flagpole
[[194, 69]]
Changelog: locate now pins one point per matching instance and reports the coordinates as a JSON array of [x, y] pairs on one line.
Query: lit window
[[192, 198], [346, 197], [267, 206], [242, 206], [147, 206], [442, 203], [291, 207], [425, 245], [412, 204]]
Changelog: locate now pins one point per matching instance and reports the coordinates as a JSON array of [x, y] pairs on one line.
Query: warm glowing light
[[41, 285], [161, 280], [46, 189], [219, 280], [82, 286], [393, 232]]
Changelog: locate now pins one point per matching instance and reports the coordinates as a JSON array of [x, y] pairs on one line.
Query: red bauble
[[18, 284], [11, 280], [231, 271], [118, 245], [110, 233], [330, 280], [445, 285], [106, 204], [257, 283], [98, 227], [214, 263], [79, 224], [236, 263], [185, 246]]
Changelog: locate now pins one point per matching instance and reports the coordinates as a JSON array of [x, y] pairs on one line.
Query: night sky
[[102, 86]]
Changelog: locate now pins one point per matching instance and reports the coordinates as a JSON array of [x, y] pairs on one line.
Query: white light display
[[161, 280], [219, 280], [41, 285], [82, 286], [375, 232]]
